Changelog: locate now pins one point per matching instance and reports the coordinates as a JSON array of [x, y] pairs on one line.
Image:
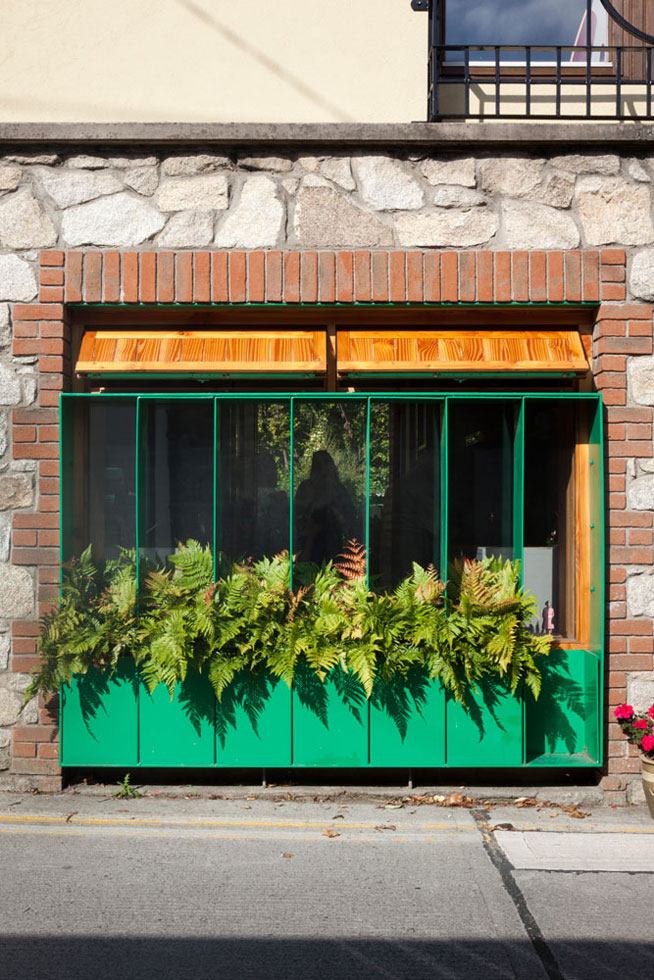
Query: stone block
[[326, 219], [338, 170], [16, 592], [5, 643], [614, 210], [277, 165], [187, 229], [445, 228], [588, 163], [10, 706], [17, 280], [204, 193], [536, 226], [10, 178], [143, 180], [9, 386], [640, 380], [641, 274], [640, 493], [15, 491], [85, 161], [640, 595], [5, 325], [67, 188], [188, 166], [386, 185], [458, 171], [640, 689], [120, 220], [257, 219], [453, 196], [24, 223], [5, 536], [557, 189], [510, 176]]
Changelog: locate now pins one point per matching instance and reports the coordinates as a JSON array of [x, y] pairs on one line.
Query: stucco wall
[[534, 202], [212, 61]]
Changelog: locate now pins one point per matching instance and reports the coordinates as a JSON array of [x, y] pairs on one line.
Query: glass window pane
[[521, 22], [99, 477], [176, 478], [254, 463], [404, 489], [329, 478], [480, 479], [550, 513]]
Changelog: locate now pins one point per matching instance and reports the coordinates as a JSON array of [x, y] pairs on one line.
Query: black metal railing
[[540, 82]]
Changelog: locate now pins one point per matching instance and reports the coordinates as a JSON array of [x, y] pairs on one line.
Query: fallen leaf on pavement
[[327, 832], [386, 826], [287, 855]]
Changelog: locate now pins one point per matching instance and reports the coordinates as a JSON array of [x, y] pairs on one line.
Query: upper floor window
[[542, 25]]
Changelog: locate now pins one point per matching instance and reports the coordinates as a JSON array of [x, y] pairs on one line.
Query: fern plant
[[250, 620]]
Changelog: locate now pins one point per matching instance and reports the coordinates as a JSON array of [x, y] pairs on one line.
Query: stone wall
[[517, 208]]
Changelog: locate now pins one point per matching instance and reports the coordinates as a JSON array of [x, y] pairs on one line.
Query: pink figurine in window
[[548, 618]]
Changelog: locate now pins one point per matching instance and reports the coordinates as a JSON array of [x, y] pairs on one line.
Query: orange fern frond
[[352, 564]]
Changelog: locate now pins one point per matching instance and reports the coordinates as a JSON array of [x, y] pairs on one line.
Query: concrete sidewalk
[[384, 888]]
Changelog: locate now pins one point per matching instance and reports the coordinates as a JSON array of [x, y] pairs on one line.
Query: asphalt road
[[225, 889]]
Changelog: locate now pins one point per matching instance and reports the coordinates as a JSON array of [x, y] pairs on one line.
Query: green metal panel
[[407, 722], [563, 722], [330, 720], [253, 722], [99, 718], [178, 731], [489, 733]]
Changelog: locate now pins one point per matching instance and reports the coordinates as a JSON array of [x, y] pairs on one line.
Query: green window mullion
[[444, 488], [519, 486], [291, 493], [367, 500], [217, 510], [138, 487]]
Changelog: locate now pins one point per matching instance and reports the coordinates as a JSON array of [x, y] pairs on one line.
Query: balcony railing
[[540, 82]]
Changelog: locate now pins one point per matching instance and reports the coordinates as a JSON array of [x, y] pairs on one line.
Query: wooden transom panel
[[197, 351], [457, 351]]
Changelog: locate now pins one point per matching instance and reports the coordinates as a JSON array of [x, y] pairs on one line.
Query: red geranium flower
[[651, 712], [624, 712], [641, 723], [647, 743]]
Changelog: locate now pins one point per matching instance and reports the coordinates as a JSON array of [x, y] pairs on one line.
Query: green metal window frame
[[593, 653]]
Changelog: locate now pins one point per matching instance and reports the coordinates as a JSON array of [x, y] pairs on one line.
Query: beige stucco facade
[[212, 61]]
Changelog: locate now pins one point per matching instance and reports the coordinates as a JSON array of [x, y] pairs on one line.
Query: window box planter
[[260, 723]]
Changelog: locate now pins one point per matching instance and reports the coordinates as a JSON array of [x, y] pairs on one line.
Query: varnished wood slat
[[461, 350], [119, 351]]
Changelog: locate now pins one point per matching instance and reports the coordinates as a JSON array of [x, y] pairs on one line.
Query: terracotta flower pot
[[647, 770]]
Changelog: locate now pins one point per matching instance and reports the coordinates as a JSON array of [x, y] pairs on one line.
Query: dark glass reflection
[[253, 478], [329, 474], [404, 489], [480, 480], [176, 480], [521, 22], [550, 513], [100, 478]]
